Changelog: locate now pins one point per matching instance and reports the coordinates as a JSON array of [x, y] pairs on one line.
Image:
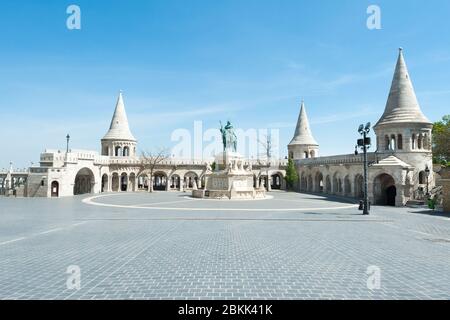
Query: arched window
[[400, 142], [425, 142], [393, 142], [312, 154], [306, 155], [419, 142], [386, 142], [126, 151], [413, 142], [291, 155], [118, 152], [421, 177]]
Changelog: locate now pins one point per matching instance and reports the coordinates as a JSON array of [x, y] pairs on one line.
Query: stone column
[[400, 197], [370, 190]]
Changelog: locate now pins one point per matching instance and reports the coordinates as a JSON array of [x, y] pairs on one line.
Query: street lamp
[[67, 145], [364, 144], [427, 173]]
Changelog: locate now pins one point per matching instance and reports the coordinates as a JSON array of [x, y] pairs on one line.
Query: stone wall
[[444, 181]]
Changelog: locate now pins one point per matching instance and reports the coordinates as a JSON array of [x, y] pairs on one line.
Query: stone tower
[[403, 132], [303, 145], [119, 141]]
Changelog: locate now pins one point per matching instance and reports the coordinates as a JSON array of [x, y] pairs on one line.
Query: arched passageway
[[189, 180], [84, 182], [275, 180], [264, 182], [359, 186], [123, 182], [104, 183], [319, 182], [159, 181], [175, 182], [384, 190], [337, 184], [347, 186], [55, 189]]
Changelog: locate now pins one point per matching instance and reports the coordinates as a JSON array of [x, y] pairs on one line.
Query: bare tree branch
[[266, 144], [150, 160]]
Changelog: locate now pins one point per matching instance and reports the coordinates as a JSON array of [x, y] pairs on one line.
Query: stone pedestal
[[233, 181]]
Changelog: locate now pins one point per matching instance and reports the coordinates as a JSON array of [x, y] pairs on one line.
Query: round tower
[[303, 145], [403, 130], [119, 141]]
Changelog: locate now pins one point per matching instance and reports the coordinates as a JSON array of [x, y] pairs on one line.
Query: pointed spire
[[119, 128], [303, 135], [402, 105]]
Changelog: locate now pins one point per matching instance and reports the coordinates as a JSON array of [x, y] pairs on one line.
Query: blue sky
[[179, 61]]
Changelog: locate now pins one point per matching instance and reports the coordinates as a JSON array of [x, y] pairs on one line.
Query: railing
[[15, 171], [336, 160]]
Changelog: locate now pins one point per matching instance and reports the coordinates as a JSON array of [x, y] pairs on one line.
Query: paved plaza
[[166, 245]]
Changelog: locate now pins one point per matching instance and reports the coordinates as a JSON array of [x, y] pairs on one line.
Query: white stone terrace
[[336, 160]]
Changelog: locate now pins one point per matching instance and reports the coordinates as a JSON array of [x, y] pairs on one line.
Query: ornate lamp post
[[427, 173], [67, 145], [364, 144]]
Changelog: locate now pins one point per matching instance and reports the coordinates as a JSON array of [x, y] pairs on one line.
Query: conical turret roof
[[402, 105], [119, 128], [303, 135]]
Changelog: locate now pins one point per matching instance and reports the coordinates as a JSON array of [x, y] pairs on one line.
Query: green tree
[[291, 175], [441, 140]]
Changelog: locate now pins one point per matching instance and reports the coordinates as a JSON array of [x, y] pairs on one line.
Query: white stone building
[[117, 169], [397, 171]]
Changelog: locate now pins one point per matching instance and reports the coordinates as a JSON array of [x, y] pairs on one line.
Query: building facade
[[400, 169], [117, 168]]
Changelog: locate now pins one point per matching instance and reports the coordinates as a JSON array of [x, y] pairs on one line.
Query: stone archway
[[124, 182], [275, 181], [319, 187], [84, 182], [55, 189], [359, 186], [159, 181], [347, 186], [142, 182], [189, 179], [263, 182], [175, 182], [384, 190], [105, 183]]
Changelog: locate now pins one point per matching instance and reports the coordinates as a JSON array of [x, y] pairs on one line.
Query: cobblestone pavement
[[167, 246]]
